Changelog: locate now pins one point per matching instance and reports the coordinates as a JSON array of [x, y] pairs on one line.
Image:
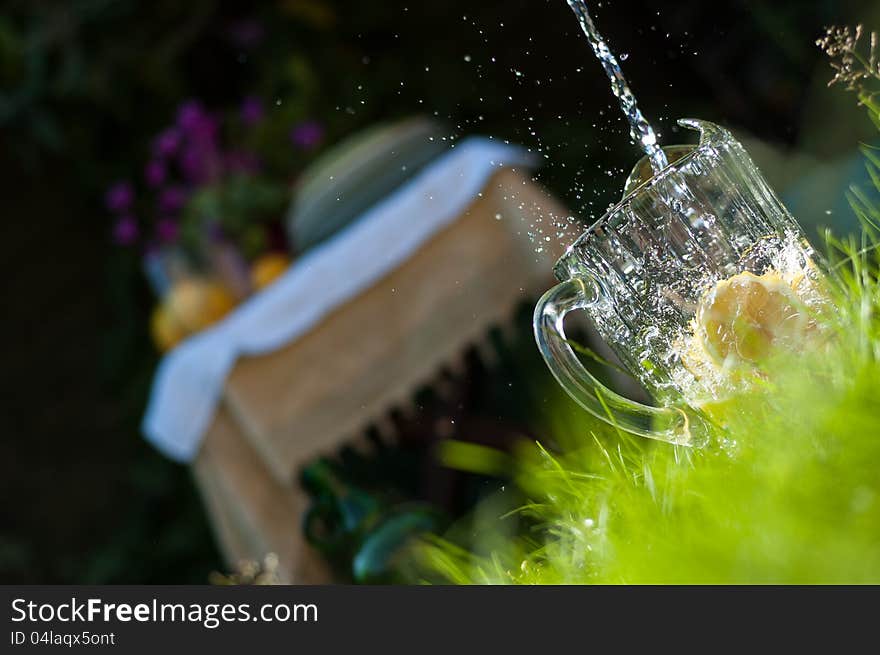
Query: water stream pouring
[[693, 279], [640, 129]]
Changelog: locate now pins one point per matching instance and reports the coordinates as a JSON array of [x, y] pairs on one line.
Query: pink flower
[[125, 231], [154, 173], [119, 197], [307, 135]]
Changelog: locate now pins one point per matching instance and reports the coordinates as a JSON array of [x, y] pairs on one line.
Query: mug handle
[[669, 424]]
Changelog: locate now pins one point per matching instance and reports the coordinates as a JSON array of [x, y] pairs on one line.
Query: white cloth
[[189, 380]]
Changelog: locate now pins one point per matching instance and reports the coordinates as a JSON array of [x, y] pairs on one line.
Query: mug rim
[[706, 129]]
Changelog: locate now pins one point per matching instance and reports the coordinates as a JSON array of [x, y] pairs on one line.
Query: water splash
[[640, 129]]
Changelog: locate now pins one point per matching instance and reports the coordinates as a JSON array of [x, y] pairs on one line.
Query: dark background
[[86, 83]]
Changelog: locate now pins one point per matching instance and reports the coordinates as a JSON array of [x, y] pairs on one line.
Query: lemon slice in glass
[[748, 317]]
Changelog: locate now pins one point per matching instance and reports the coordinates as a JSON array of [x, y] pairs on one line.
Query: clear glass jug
[[644, 270]]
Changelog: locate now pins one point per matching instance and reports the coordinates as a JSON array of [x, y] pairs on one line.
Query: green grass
[[790, 493]]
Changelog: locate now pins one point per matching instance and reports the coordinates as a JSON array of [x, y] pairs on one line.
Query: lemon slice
[[748, 317]]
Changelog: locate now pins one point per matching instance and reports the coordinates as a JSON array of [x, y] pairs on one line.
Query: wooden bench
[[362, 361]]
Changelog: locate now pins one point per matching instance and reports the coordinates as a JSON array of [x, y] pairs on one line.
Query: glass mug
[[642, 270]]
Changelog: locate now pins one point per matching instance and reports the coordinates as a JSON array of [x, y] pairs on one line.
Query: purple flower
[[205, 131], [200, 164], [192, 165], [154, 173], [119, 197], [198, 126], [171, 200], [166, 230], [251, 111], [125, 231], [307, 135], [167, 143], [190, 114], [199, 158]]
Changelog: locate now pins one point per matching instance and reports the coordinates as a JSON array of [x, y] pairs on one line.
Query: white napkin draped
[[189, 381]]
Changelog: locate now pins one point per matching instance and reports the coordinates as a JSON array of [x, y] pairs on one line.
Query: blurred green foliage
[[239, 206]]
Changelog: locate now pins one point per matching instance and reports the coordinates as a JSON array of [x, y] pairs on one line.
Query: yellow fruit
[[747, 317], [267, 269], [166, 331], [197, 303]]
